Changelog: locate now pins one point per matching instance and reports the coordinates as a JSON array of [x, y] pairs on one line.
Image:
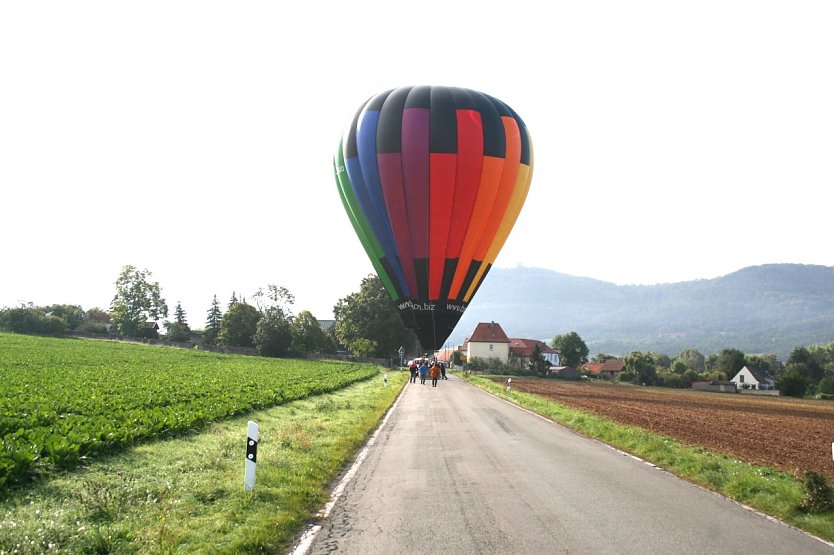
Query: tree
[[239, 325], [369, 314], [307, 335], [179, 315], [810, 366], [826, 385], [791, 382], [538, 364], [572, 350], [730, 361], [679, 367], [692, 358], [769, 363], [213, 320], [642, 366], [362, 347], [178, 330], [274, 296], [233, 301], [28, 318], [137, 301], [662, 360], [272, 334], [72, 314]]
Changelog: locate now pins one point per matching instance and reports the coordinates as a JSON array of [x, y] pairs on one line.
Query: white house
[[523, 348], [488, 341], [753, 378]]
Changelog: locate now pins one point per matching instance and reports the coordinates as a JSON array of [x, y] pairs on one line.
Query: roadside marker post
[[252, 434]]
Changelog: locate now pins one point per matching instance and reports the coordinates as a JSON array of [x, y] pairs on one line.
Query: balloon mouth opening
[[432, 321]]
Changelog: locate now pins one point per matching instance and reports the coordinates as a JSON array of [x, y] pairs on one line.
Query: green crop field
[[62, 400]]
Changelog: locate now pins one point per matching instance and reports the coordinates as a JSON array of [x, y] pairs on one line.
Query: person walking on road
[[443, 371], [413, 369], [424, 369], [435, 373]]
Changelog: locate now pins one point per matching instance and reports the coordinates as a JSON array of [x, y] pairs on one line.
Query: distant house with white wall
[[488, 341], [753, 378], [523, 348]]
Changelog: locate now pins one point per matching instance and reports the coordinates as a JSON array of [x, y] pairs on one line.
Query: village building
[[488, 341], [611, 368], [753, 378], [714, 385], [523, 349]]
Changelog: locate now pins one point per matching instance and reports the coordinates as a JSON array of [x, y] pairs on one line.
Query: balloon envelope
[[433, 179]]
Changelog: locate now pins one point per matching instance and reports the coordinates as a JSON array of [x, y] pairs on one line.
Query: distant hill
[[761, 309]]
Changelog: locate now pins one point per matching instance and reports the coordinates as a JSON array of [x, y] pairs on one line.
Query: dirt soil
[[792, 435]]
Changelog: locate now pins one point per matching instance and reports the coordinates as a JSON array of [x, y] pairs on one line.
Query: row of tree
[[808, 371], [366, 321], [367, 324]]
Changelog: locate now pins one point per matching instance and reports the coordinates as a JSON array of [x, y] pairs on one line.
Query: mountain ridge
[[770, 308]]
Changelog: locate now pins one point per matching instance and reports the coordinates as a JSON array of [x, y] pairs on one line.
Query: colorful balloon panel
[[433, 180]]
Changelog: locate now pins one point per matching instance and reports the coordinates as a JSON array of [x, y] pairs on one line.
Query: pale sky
[[673, 140]]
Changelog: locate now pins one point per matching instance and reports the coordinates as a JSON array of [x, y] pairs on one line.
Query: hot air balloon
[[433, 179]]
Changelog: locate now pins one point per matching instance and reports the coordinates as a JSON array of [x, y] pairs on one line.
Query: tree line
[[809, 370], [367, 324]]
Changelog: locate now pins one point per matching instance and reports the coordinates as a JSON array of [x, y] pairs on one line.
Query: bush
[[819, 496], [826, 386], [671, 379], [492, 365], [31, 319], [792, 383], [178, 332], [273, 335], [94, 327], [362, 347]]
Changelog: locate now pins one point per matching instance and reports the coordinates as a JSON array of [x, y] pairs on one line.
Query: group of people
[[425, 367]]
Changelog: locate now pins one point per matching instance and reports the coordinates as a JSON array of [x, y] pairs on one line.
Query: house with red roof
[[611, 368], [488, 341], [523, 348]]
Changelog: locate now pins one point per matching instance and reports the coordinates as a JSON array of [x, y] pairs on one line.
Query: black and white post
[[251, 456]]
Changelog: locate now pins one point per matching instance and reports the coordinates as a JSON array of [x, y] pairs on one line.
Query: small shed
[[612, 367], [150, 330], [715, 385], [564, 372]]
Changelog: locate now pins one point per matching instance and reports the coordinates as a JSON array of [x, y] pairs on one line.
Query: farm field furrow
[[792, 435]]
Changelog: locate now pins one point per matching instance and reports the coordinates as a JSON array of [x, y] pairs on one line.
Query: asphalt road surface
[[455, 470]]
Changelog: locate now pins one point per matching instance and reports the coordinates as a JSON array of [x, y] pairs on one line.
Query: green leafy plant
[[819, 495], [64, 399]]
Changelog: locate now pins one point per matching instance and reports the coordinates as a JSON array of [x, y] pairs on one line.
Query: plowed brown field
[[792, 435]]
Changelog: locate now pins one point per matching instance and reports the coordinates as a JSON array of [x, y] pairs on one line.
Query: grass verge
[[765, 489], [186, 494]]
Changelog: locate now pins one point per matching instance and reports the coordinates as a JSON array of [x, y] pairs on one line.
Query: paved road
[[455, 470]]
